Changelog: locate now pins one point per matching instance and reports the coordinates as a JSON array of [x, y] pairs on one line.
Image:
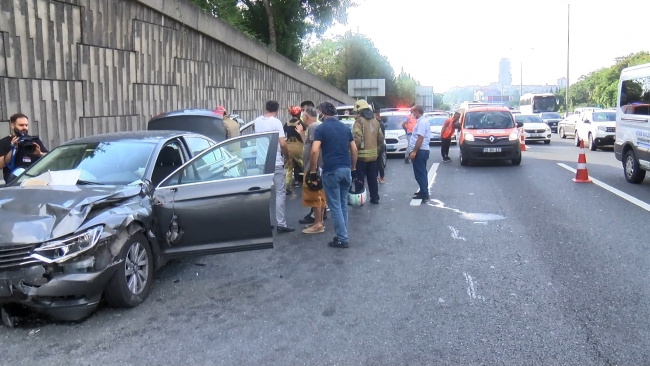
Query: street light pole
[[568, 40]]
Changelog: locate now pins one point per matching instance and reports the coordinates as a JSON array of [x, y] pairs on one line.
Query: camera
[[27, 143]]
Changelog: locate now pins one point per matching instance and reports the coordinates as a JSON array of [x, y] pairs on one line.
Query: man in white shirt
[[268, 122]]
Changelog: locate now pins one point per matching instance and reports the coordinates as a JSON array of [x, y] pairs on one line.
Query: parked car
[[597, 128], [551, 119], [534, 128], [119, 206]]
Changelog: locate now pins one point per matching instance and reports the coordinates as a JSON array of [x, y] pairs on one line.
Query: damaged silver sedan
[[97, 216]]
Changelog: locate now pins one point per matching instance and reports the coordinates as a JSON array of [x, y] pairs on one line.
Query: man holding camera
[[19, 150]]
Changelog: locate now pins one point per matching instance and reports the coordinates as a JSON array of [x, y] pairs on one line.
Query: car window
[[226, 161], [395, 122], [603, 116], [197, 144], [114, 162], [437, 121], [169, 159], [526, 118]]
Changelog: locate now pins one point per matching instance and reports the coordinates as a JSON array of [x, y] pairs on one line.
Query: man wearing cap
[[368, 138], [334, 142]]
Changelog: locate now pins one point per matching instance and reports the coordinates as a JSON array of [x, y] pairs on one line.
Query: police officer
[[16, 154]]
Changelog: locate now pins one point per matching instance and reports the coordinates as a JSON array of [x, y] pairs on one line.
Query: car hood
[[32, 215], [488, 132], [436, 129], [606, 124], [541, 126], [394, 133], [551, 119]]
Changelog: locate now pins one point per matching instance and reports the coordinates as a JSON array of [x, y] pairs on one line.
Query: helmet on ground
[[357, 195]]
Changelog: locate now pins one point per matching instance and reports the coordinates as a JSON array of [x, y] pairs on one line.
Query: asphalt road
[[507, 265]]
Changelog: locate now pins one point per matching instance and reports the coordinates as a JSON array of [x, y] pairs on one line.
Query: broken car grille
[[16, 256]]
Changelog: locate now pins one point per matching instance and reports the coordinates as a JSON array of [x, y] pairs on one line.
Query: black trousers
[[444, 149], [367, 170]]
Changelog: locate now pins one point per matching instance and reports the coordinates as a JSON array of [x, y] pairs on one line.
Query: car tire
[[120, 291], [516, 161], [592, 143], [633, 172], [561, 133], [547, 142], [463, 161], [577, 139]]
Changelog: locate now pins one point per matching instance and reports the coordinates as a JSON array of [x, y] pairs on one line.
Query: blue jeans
[[420, 171], [336, 185]]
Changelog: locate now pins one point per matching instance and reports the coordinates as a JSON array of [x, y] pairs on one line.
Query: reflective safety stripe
[[582, 151], [582, 166]]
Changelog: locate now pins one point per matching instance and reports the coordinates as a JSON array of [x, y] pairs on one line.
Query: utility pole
[[568, 43]]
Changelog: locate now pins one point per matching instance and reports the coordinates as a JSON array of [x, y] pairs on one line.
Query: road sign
[[362, 88]]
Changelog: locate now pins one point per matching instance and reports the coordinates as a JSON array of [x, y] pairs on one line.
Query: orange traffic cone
[[582, 176], [522, 141]]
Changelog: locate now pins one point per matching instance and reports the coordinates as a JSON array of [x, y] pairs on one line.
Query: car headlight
[[401, 137], [513, 136], [469, 137], [61, 250], [602, 128]]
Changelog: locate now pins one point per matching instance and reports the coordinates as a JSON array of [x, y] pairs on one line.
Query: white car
[[396, 139], [534, 128], [596, 128], [436, 122]]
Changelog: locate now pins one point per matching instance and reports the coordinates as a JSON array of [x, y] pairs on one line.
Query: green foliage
[[294, 20], [600, 87], [354, 56], [438, 102]]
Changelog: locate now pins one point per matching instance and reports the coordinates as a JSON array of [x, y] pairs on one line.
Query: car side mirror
[[520, 124]]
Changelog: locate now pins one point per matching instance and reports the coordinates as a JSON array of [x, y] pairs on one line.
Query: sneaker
[[335, 243], [420, 196], [307, 220]]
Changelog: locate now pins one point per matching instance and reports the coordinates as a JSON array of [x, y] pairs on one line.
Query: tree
[[600, 87], [281, 24], [354, 56]]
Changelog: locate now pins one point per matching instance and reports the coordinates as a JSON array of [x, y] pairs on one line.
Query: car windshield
[[527, 118], [604, 116], [110, 163], [394, 122], [551, 115], [488, 120], [436, 121]]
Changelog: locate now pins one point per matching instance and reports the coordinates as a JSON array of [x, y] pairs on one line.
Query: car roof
[[144, 136], [188, 112], [487, 109]]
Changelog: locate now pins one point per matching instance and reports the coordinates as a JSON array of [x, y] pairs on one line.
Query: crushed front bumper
[[62, 296]]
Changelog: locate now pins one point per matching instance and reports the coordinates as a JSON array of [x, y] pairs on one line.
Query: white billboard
[[363, 88]]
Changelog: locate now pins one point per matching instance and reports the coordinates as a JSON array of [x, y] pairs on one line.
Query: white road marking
[[454, 233], [471, 291], [611, 189], [431, 176]]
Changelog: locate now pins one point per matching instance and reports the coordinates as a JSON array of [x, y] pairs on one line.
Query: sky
[[460, 42]]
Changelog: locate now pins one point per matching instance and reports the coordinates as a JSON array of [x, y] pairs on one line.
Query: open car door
[[216, 202]]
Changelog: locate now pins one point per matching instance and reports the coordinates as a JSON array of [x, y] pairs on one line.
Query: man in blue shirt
[[333, 141], [419, 155]]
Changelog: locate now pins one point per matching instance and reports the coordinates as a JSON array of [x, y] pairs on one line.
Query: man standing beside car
[[448, 129], [268, 122], [420, 152], [19, 155]]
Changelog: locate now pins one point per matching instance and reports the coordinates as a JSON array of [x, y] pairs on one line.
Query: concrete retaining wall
[[80, 67]]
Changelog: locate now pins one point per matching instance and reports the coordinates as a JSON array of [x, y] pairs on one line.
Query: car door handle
[[252, 189]]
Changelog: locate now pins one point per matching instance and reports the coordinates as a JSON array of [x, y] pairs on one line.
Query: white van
[[632, 145]]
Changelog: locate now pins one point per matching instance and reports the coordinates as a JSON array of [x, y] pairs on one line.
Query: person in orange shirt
[[407, 125], [446, 134]]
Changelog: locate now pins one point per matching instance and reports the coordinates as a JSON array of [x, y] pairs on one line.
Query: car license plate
[[435, 136], [5, 291], [390, 147], [491, 149]]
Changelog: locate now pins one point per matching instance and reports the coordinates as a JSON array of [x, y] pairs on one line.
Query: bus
[[530, 103]]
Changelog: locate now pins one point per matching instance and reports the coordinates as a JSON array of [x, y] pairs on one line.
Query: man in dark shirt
[[334, 142], [13, 156]]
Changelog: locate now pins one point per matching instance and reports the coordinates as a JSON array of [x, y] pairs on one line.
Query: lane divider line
[[431, 175], [613, 190]]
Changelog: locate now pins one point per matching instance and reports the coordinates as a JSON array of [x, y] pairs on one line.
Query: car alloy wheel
[[137, 268]]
